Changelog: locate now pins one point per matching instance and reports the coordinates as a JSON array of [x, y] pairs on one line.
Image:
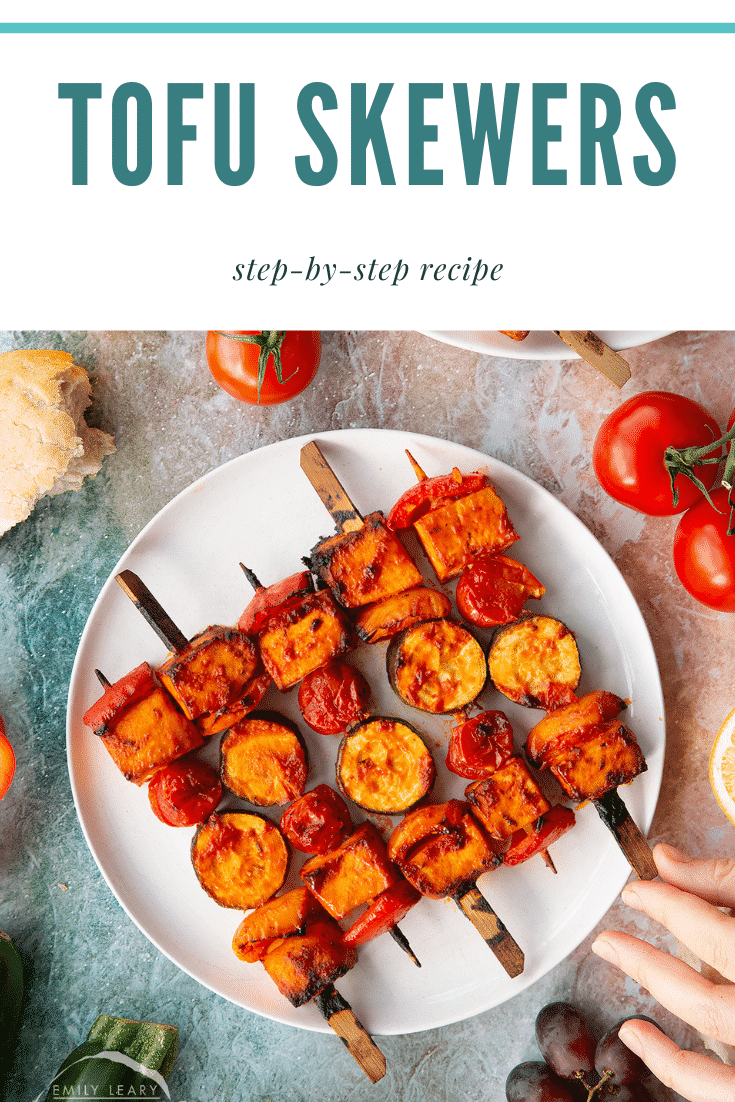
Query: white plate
[[539, 344], [259, 509]]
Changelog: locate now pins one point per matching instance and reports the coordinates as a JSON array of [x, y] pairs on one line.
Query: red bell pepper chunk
[[430, 492], [383, 913], [133, 686], [270, 598], [480, 745], [544, 832]]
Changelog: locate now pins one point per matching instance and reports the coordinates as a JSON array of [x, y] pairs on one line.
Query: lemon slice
[[722, 767]]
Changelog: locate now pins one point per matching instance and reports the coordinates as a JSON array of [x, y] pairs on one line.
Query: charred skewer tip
[[400, 939], [252, 578]]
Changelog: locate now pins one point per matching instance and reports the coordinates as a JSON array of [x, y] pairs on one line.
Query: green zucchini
[[121, 1058], [11, 998]]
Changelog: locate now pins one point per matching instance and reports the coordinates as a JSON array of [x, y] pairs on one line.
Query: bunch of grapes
[[576, 1067]]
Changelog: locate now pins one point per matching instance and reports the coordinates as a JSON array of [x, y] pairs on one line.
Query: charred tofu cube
[[393, 614], [303, 636], [446, 863], [508, 800], [280, 917], [301, 966], [140, 726], [365, 566], [599, 761], [351, 875], [213, 671], [453, 533]]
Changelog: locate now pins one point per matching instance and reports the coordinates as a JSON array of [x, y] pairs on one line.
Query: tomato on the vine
[[263, 368], [704, 554], [637, 440]]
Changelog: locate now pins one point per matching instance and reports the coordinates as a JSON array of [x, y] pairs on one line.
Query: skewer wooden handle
[[148, 606], [330, 489], [476, 908], [617, 819], [594, 350], [356, 1039]]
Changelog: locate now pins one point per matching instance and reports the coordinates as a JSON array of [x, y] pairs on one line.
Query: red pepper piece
[[480, 745], [184, 793], [133, 686], [332, 697], [430, 492], [317, 822], [383, 913], [493, 590], [544, 832], [270, 599]]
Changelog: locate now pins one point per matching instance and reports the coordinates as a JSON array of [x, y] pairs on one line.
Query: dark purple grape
[[633, 1092], [566, 1041], [536, 1082], [615, 1061]]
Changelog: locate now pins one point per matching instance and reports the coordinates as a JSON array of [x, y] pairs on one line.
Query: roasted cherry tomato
[[429, 493], [263, 368], [493, 590], [184, 793], [7, 761], [628, 453], [480, 745], [383, 914], [543, 833], [317, 822], [332, 697], [704, 554]]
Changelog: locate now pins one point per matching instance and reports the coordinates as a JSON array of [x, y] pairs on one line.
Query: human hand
[[686, 904]]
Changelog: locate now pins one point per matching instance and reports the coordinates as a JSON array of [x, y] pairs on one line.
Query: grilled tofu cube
[[282, 916], [452, 534], [445, 864], [599, 761], [365, 566], [351, 875], [213, 671], [402, 610], [303, 636], [508, 800], [301, 966], [140, 726], [563, 726]]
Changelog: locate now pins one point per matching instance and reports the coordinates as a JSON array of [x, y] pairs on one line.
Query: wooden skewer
[[420, 473], [617, 819], [400, 939], [356, 1039], [594, 350], [102, 679], [475, 907], [152, 611], [330, 489]]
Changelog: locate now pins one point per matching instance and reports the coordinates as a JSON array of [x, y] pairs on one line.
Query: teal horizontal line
[[367, 28]]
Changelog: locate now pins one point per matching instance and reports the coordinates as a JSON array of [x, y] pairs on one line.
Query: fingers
[[704, 929], [707, 1006], [713, 878], [698, 1078]]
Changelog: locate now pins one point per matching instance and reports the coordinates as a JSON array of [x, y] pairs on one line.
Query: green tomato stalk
[[269, 342], [683, 460]]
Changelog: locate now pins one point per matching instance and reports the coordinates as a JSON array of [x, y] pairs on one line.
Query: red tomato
[[704, 554], [480, 745], [493, 590], [628, 453], [263, 368], [332, 697], [184, 793], [317, 822], [7, 761]]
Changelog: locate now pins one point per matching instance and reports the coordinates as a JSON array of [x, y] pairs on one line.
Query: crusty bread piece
[[46, 446]]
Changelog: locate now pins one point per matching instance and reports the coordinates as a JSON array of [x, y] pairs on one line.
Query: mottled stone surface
[[172, 424]]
